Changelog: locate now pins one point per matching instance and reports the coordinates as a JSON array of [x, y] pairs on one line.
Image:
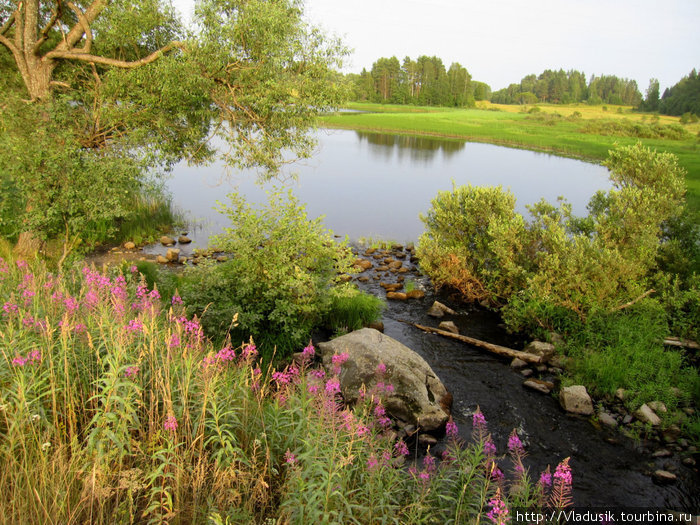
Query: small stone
[[606, 419], [184, 239], [363, 279], [541, 368], [221, 258], [183, 260], [517, 363], [172, 255], [664, 477], [391, 287], [129, 245], [396, 296], [689, 411], [657, 406], [526, 372], [545, 350], [693, 449], [662, 453], [554, 370], [370, 251], [161, 260], [345, 278], [415, 294], [167, 241], [426, 440], [377, 325], [647, 415], [541, 386], [671, 434], [400, 255], [620, 394], [449, 326], [439, 310], [362, 264], [627, 419], [683, 442], [688, 462], [558, 361], [575, 399]]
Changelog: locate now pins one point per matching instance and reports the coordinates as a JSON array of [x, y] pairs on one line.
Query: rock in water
[[173, 255], [167, 241], [575, 399], [439, 310], [449, 326], [418, 393]]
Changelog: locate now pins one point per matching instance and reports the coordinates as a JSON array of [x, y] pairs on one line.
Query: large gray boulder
[[419, 397]]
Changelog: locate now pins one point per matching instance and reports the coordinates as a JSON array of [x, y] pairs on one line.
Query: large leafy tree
[[97, 93]]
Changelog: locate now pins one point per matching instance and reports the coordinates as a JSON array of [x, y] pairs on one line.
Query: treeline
[[570, 87], [682, 98], [424, 81]]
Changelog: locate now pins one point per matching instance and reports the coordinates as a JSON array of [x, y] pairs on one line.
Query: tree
[[126, 84]]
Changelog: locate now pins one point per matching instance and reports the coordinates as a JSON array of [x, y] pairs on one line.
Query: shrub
[[279, 280]]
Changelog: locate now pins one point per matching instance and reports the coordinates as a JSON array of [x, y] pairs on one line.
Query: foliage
[[683, 97], [120, 88], [126, 411], [560, 87], [351, 309], [280, 279], [476, 243], [624, 350], [626, 128]]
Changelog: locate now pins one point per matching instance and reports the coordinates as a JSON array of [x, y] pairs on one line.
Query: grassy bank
[[580, 131], [115, 409]]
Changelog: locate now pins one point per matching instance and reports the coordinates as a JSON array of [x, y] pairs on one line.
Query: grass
[[352, 311], [509, 126], [115, 409]]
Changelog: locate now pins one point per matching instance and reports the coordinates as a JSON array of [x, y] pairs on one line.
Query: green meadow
[[576, 130]]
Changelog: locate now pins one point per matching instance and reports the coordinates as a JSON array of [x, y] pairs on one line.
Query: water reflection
[[373, 184], [409, 147]]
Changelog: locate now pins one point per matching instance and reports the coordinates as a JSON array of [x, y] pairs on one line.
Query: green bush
[[351, 309], [279, 280]]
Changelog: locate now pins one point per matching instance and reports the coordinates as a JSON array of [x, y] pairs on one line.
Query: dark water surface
[[376, 185]]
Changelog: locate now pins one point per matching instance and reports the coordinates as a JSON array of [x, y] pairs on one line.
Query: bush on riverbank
[[115, 409], [283, 280]]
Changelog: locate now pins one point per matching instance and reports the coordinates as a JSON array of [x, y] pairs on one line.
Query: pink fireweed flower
[[176, 300], [71, 304], [561, 486], [372, 462], [381, 369], [289, 458], [545, 479], [249, 351], [401, 448], [451, 430], [21, 264], [19, 361], [174, 341], [429, 462], [309, 352], [134, 326], [333, 386], [32, 358], [480, 429], [515, 446], [338, 360], [318, 373], [424, 476], [131, 371], [170, 424], [133, 269], [79, 328], [91, 299], [496, 473], [256, 373], [489, 447], [362, 431], [499, 512], [312, 388], [281, 378], [10, 308], [562, 474]]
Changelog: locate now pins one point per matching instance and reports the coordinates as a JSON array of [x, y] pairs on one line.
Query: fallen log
[[495, 349], [683, 343]]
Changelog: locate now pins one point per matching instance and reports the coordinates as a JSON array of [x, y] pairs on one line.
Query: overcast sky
[[501, 41]]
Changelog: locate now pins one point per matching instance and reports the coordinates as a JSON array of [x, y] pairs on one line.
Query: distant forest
[[426, 82]]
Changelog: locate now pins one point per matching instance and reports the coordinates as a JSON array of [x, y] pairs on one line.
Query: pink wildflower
[[289, 458], [489, 447], [428, 463], [10, 308], [563, 473], [362, 431], [372, 462], [451, 430], [21, 264], [333, 386], [131, 371], [338, 360], [318, 373], [281, 378], [133, 269], [381, 369], [308, 353], [170, 424], [515, 446], [174, 341], [545, 479], [499, 512], [401, 448], [135, 326], [249, 351], [176, 299]]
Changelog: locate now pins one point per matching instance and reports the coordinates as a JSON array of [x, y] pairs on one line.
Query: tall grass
[[115, 409]]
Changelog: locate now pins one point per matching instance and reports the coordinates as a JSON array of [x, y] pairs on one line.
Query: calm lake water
[[376, 185]]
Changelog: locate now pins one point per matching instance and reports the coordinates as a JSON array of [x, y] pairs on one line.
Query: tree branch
[[8, 24], [86, 27], [44, 35], [94, 59], [633, 301], [9, 45], [77, 31]]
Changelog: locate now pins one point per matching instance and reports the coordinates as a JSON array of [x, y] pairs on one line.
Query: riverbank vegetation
[[115, 408], [581, 131], [613, 284]]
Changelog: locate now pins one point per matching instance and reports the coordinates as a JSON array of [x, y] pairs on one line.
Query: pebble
[[517, 363], [627, 419], [662, 453], [527, 372], [606, 419], [427, 440], [540, 386], [664, 477], [688, 462]]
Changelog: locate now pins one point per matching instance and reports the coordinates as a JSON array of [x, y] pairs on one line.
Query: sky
[[501, 41]]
